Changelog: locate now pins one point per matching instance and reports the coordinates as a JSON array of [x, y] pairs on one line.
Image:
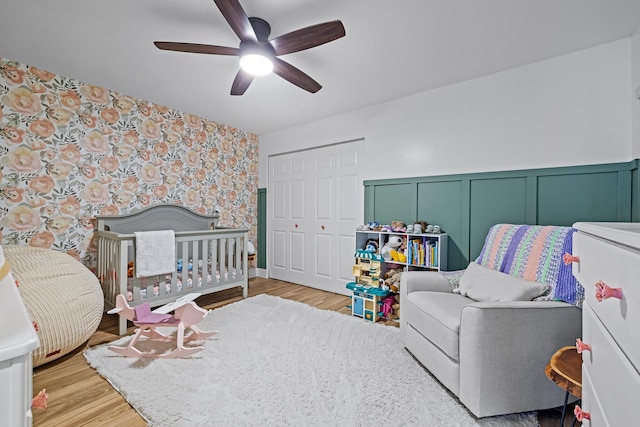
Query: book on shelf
[[422, 252]]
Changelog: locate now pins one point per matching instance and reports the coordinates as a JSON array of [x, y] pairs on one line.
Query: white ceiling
[[392, 48]]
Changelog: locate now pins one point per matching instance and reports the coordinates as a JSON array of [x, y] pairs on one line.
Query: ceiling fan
[[259, 55]]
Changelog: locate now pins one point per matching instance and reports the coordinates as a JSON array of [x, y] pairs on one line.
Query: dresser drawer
[[618, 267], [591, 404], [615, 382]]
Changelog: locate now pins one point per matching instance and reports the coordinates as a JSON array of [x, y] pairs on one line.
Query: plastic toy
[[368, 268], [187, 315], [366, 301]]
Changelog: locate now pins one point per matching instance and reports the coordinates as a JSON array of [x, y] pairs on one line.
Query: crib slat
[[185, 265], [194, 257], [230, 261], [205, 262], [214, 261], [223, 264]]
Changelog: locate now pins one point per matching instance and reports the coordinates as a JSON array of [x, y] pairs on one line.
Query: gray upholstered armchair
[[486, 340]]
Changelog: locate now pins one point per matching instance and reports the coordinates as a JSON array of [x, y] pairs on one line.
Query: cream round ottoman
[[63, 297]]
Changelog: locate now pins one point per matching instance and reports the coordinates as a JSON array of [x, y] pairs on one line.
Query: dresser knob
[[580, 414], [603, 291], [580, 346], [568, 258]]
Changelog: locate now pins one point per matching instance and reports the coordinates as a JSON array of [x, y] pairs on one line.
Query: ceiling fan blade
[[237, 19], [241, 82], [295, 76], [308, 37], [198, 48]]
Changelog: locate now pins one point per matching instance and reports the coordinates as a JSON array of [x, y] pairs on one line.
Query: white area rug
[[277, 362]]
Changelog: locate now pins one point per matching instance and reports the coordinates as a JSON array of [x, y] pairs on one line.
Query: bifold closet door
[[287, 217], [316, 203]]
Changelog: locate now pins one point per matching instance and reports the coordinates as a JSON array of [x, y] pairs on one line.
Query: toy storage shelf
[[424, 251]]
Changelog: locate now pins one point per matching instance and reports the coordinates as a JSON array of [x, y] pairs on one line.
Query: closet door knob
[[567, 258], [603, 291], [580, 414], [580, 346], [296, 225], [322, 227]]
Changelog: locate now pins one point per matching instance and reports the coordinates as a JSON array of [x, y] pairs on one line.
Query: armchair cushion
[[437, 316], [482, 284]]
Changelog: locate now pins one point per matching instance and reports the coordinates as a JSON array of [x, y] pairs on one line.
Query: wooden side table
[[565, 369]]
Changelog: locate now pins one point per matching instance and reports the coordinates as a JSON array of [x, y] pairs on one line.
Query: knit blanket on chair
[[534, 253]]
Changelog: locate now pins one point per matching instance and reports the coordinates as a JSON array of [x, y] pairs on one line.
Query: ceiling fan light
[[256, 64]]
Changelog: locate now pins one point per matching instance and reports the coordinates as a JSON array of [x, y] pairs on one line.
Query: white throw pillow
[[483, 284]]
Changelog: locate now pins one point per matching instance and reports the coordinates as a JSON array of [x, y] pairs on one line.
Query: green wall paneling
[[565, 199], [494, 201], [262, 228], [393, 202], [466, 205], [442, 203]]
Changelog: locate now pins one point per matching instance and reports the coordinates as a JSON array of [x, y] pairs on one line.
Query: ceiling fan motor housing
[[263, 47], [261, 28]]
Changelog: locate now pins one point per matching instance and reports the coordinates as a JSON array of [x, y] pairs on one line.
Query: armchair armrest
[[504, 350], [416, 281]]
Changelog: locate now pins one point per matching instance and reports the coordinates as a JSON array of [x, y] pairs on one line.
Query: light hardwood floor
[[78, 396]]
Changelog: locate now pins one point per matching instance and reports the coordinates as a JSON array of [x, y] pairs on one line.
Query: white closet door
[[349, 210], [321, 241], [287, 193], [315, 204]]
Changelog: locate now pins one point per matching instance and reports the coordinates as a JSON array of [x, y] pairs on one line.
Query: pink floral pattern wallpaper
[[70, 150]]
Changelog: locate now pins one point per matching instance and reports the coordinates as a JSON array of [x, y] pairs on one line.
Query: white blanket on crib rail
[[155, 252]]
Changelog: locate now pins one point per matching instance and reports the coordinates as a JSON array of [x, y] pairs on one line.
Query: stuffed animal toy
[[398, 226], [402, 250], [396, 305], [371, 245], [387, 306], [393, 244], [392, 279], [389, 250]]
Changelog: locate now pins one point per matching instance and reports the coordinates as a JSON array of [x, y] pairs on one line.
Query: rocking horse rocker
[[186, 315]]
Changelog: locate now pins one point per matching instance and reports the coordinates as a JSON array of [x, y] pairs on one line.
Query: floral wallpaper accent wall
[[70, 151]]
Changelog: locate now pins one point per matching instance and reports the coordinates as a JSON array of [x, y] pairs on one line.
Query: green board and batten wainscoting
[[467, 205]]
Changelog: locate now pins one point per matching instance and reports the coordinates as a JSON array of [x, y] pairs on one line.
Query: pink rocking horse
[[187, 315]]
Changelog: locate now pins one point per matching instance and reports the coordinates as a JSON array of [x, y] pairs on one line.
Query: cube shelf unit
[[424, 251]]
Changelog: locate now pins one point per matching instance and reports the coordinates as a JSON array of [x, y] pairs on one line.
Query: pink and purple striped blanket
[[534, 253]]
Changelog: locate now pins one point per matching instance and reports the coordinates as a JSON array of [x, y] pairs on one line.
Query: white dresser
[[609, 260]]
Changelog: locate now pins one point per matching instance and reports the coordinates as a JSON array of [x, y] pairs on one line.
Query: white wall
[[569, 110], [635, 84]]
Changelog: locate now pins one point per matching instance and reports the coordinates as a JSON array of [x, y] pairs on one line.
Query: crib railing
[[206, 261]]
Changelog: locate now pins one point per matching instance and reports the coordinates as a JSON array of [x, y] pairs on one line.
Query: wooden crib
[[208, 258]]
